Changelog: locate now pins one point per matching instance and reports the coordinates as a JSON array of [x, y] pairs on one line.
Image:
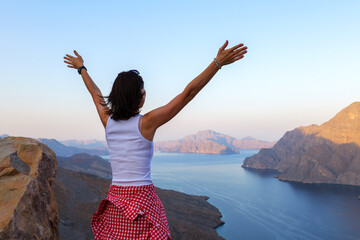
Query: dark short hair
[[125, 96]]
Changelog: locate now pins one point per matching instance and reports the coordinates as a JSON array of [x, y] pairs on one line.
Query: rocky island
[[329, 153], [211, 142], [42, 197]]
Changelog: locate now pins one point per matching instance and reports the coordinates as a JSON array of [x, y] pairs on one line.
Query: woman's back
[[132, 210], [130, 152]]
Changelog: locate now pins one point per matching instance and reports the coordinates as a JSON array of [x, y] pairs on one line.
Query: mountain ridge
[[329, 153], [4, 135], [210, 142], [90, 143], [66, 151]]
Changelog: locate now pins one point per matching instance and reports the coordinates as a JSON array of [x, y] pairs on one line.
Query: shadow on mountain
[[309, 158]]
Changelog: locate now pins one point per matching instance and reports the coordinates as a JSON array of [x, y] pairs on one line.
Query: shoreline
[[274, 171]]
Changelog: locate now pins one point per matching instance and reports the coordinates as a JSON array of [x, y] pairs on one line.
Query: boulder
[[27, 203]]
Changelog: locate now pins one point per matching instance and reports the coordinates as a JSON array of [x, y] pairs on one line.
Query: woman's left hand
[[228, 56], [74, 62]]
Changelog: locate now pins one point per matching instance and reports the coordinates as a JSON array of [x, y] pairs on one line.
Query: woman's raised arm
[[77, 62], [157, 117]]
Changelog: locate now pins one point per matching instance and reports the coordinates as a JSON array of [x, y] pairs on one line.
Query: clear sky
[[302, 65]]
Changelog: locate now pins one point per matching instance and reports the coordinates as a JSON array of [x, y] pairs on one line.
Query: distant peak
[[342, 128], [249, 138], [351, 112], [48, 140], [206, 131], [355, 104], [4, 135]]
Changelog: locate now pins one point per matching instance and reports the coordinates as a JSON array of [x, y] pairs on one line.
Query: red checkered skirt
[[131, 212]]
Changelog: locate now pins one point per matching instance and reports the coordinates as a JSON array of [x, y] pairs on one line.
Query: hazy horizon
[[302, 65], [90, 139]]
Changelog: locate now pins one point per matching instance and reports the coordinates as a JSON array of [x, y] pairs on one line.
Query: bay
[[255, 204]]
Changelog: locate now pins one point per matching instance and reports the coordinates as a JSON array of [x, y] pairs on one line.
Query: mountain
[[252, 143], [62, 150], [4, 135], [329, 153], [86, 163], [89, 144], [210, 142]]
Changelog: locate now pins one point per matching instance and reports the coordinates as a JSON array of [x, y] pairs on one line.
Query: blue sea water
[[255, 204]]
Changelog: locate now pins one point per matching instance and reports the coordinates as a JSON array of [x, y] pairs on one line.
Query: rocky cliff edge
[[27, 203]]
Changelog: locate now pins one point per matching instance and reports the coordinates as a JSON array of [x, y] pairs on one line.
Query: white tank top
[[130, 152]]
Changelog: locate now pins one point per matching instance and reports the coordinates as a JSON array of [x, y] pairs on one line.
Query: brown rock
[[189, 216], [329, 153], [27, 204]]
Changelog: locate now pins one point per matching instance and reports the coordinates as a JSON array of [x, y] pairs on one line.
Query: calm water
[[255, 205]]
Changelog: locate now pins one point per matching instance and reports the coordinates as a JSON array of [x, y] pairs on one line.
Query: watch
[[80, 68]]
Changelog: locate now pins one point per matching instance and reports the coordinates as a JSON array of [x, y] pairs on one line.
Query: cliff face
[[329, 153], [27, 203], [210, 142]]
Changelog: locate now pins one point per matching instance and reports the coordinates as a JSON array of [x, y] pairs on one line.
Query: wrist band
[[217, 64], [80, 68]]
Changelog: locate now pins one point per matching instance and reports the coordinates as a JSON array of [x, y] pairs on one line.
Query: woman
[[132, 210]]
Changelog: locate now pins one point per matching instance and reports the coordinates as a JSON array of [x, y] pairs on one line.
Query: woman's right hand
[[74, 62], [227, 56]]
